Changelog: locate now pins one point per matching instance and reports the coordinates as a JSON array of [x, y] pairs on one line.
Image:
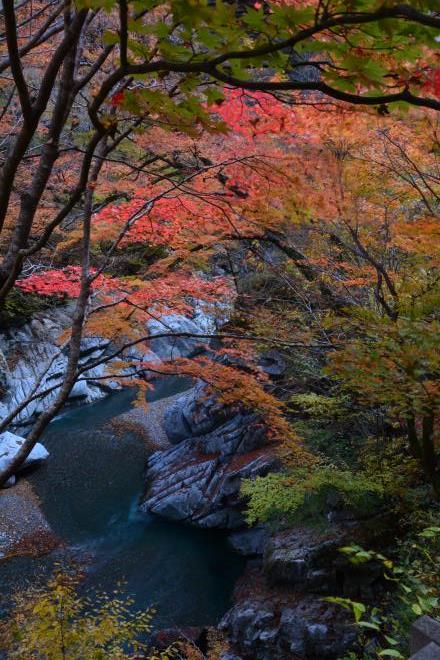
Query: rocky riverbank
[[147, 422], [279, 607], [33, 358], [24, 529], [202, 451]]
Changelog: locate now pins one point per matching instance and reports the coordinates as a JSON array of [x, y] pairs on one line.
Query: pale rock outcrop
[[10, 444], [167, 348], [34, 360]]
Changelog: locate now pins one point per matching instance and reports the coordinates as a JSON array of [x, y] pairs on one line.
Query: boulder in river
[[198, 480], [10, 444], [194, 414]]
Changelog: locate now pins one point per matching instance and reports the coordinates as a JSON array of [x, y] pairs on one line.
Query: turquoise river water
[[89, 489]]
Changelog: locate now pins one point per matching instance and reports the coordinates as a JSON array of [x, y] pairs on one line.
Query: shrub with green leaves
[[318, 405], [415, 591], [286, 496], [20, 307]]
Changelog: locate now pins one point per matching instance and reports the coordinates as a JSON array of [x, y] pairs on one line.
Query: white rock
[[10, 445], [10, 482], [35, 359], [170, 347], [32, 361], [139, 353], [80, 390]]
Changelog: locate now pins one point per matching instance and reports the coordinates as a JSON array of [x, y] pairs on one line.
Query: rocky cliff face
[[275, 624], [31, 358], [280, 609], [197, 480], [34, 360]]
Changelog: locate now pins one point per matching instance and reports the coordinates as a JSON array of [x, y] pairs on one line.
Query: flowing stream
[[89, 489]]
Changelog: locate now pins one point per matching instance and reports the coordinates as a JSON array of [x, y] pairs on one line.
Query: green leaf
[[358, 610], [417, 609], [255, 19], [430, 532], [213, 95], [369, 624], [390, 653], [110, 38]]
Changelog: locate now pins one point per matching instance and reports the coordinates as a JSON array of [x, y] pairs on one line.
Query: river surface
[[89, 489]]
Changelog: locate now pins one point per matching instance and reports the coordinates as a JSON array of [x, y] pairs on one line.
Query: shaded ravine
[[89, 489]]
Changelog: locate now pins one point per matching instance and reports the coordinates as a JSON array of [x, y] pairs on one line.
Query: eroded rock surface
[[269, 622], [264, 630], [166, 347], [250, 542], [280, 609], [198, 480], [34, 360], [309, 559], [193, 415]]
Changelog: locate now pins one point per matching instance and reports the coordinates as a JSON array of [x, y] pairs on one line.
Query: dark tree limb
[[123, 31], [14, 59]]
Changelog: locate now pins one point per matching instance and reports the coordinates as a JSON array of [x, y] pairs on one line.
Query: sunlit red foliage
[[256, 114], [171, 292], [63, 282], [432, 83], [278, 169]]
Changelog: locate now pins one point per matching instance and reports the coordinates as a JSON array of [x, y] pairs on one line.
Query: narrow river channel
[[89, 489]]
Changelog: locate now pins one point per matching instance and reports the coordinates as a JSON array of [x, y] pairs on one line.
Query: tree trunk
[[71, 373], [422, 448], [430, 458]]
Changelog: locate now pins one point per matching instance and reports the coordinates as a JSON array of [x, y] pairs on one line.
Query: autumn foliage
[[337, 180], [171, 156]]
